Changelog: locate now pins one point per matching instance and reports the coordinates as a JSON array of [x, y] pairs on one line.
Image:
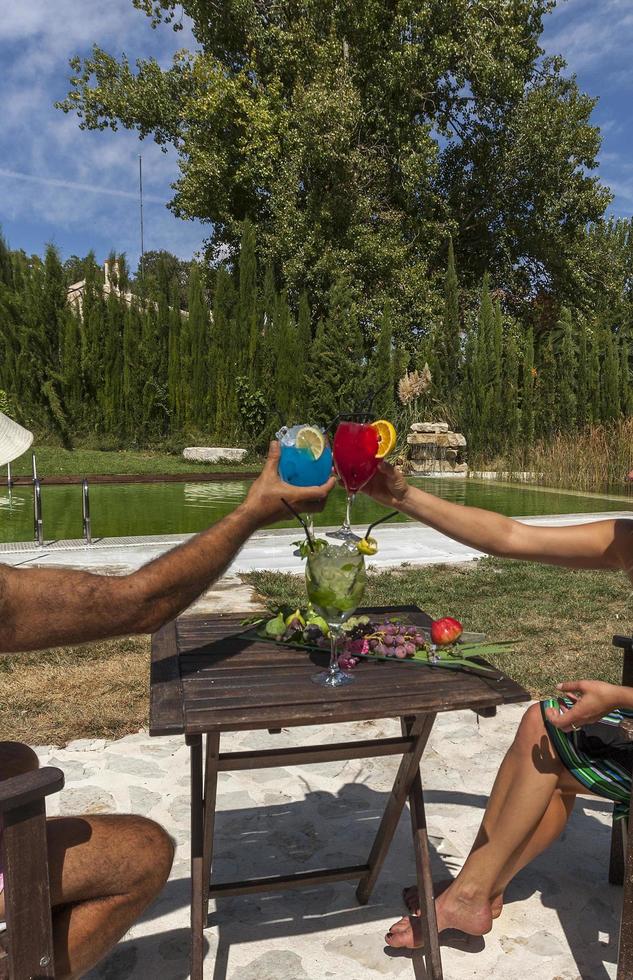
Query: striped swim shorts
[[596, 755]]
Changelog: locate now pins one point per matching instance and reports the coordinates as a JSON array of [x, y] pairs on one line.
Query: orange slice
[[386, 437]]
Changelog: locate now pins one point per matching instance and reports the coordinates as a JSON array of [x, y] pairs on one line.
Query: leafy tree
[[582, 376], [222, 356], [248, 312], [609, 378], [451, 327], [357, 137]]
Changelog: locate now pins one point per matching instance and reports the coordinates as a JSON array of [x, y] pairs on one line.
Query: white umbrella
[[14, 439]]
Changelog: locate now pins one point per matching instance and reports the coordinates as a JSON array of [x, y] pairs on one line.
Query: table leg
[[210, 796], [198, 896], [428, 921], [421, 729]]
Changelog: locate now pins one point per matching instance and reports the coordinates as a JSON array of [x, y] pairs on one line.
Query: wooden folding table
[[208, 678]]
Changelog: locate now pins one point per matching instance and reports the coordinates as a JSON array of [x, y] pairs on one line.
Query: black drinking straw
[[301, 521], [394, 513]]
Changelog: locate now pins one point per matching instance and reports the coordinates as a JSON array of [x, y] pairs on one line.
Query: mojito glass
[[335, 580]]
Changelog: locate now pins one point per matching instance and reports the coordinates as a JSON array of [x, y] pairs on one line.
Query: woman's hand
[[593, 700], [388, 486]]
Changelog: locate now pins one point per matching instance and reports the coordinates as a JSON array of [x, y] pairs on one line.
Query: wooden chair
[[621, 859], [27, 946]]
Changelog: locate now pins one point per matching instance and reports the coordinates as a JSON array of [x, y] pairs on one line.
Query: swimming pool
[[171, 508]]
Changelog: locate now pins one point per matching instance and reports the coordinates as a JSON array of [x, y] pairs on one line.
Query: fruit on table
[[295, 619], [386, 437], [446, 631]]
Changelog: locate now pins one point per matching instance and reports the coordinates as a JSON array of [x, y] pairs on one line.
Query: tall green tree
[[311, 119], [509, 423], [609, 377], [451, 327], [528, 391], [583, 410], [566, 371], [222, 356], [337, 369], [248, 324], [381, 375], [200, 334]]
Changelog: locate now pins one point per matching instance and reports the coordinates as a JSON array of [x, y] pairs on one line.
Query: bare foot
[[405, 934], [452, 911], [412, 902]]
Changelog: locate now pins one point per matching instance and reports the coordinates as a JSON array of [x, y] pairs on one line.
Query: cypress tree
[[304, 344], [111, 394], [528, 391], [268, 336], [480, 369], [337, 358], [566, 368], [381, 375], [626, 392], [594, 374], [509, 398], [248, 314], [200, 339], [609, 378], [176, 377], [71, 366], [288, 381], [547, 397], [222, 356], [451, 326], [582, 377], [496, 420], [132, 391]]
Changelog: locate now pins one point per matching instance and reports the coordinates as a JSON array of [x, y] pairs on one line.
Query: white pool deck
[[271, 550]]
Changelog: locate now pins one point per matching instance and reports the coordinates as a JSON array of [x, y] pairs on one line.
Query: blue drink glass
[[298, 466]]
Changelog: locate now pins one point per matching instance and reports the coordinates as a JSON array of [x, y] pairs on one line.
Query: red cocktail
[[355, 447]]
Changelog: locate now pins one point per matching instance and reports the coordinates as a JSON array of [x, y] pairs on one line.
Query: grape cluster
[[385, 640], [395, 640]]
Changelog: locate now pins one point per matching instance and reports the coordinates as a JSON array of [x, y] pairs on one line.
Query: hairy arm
[[600, 544], [42, 608]]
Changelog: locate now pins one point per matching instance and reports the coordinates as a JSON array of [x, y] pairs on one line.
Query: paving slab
[[560, 920]]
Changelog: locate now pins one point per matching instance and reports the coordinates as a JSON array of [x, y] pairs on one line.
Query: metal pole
[[9, 480], [37, 513], [34, 464], [85, 510], [140, 185]]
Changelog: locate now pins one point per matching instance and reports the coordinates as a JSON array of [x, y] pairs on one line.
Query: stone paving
[[560, 920]]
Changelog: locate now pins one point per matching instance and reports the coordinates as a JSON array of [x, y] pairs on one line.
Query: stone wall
[[435, 450]]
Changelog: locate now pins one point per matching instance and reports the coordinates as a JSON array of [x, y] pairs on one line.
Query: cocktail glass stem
[[333, 676], [347, 524]]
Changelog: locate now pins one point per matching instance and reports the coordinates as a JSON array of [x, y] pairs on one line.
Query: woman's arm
[[601, 544]]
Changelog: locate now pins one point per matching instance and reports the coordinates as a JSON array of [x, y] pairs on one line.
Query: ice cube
[[287, 436]]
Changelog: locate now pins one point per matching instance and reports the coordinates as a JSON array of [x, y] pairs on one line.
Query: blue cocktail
[[306, 458]]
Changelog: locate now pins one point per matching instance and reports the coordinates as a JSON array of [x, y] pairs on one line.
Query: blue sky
[[79, 189]]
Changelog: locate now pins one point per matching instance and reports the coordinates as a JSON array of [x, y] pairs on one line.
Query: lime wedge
[[311, 439]]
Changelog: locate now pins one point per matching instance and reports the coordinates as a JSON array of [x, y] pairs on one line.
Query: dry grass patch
[[97, 691]]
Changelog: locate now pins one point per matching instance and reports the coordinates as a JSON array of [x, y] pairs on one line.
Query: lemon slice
[[311, 439], [386, 437], [367, 546]]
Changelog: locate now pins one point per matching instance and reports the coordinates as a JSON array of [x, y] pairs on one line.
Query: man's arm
[[45, 607], [600, 544]]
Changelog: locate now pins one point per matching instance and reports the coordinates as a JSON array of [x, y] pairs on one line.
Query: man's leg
[[104, 871]]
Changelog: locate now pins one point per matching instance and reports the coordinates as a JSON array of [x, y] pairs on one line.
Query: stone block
[[429, 427], [214, 454], [454, 440], [422, 439]]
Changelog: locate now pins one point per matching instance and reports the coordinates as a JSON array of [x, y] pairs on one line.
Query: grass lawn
[[54, 461], [562, 623]]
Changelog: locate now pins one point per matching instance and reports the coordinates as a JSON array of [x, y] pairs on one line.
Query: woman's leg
[[528, 807]]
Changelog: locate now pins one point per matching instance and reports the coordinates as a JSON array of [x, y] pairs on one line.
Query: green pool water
[[169, 508]]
